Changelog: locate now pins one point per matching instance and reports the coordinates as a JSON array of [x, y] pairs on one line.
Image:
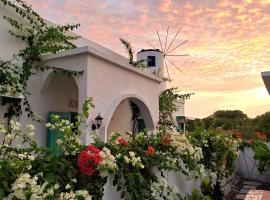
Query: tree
[[262, 123]]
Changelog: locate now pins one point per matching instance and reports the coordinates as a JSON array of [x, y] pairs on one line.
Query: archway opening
[[60, 98], [61, 94], [131, 115]]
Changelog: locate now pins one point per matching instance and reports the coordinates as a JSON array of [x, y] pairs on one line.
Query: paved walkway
[[250, 192]]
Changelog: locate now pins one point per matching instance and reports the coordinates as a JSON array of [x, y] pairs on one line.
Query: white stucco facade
[[107, 77]]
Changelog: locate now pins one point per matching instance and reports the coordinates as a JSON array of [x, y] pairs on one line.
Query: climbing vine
[[168, 105], [141, 64], [41, 39]]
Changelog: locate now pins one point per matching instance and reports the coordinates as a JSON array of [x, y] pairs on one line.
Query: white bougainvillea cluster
[[162, 188], [70, 141], [27, 187], [134, 160], [108, 164]]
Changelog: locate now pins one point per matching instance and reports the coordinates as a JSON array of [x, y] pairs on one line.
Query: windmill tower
[[157, 62], [158, 58]]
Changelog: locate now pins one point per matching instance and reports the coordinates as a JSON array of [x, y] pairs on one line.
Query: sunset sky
[[228, 43]]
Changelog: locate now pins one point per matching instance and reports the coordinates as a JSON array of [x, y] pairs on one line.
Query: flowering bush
[[220, 150], [31, 172], [261, 149]]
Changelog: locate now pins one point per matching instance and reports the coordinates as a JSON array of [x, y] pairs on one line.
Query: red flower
[[88, 160], [250, 141], [238, 135], [150, 150], [166, 138], [122, 141], [263, 136], [260, 135]]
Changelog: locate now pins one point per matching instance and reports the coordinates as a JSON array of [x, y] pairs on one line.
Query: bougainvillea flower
[[122, 141], [238, 135], [88, 160], [150, 150], [260, 135], [166, 138]]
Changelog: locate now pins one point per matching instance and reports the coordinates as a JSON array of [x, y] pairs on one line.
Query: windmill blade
[[166, 39], [160, 43], [167, 69], [166, 50], [177, 46], [173, 64], [151, 45], [179, 55]]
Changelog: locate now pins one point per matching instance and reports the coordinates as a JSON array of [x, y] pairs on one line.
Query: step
[[249, 187], [252, 183], [244, 191], [240, 197]]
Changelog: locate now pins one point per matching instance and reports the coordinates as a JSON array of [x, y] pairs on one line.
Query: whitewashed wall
[[246, 168]]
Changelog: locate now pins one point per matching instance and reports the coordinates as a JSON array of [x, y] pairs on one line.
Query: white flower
[[74, 180], [59, 141], [131, 154], [30, 128], [126, 159], [56, 186], [2, 129], [68, 186]]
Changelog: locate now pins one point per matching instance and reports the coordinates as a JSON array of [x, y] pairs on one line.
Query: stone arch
[[108, 113]]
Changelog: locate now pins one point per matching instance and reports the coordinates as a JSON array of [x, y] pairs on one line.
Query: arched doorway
[[60, 96], [132, 115], [61, 93]]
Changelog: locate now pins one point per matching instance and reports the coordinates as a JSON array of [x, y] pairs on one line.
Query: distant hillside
[[234, 120]]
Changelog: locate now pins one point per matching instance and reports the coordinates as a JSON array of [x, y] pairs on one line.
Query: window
[[151, 61]]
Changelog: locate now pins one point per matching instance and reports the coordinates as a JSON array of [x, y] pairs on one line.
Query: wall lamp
[[97, 123]]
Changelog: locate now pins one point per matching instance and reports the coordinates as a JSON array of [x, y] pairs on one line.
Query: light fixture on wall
[[97, 123]]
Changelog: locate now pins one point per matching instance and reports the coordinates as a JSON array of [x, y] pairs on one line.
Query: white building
[[266, 80], [107, 77]]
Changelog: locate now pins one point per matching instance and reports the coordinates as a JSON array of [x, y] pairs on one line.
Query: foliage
[[262, 154], [260, 145], [141, 64], [228, 120], [136, 163], [197, 195], [168, 105], [137, 157], [41, 39], [219, 147], [262, 124], [220, 151]]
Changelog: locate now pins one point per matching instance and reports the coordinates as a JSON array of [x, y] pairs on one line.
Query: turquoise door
[[53, 135]]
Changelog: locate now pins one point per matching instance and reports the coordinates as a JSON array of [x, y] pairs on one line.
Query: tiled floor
[[249, 192]]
